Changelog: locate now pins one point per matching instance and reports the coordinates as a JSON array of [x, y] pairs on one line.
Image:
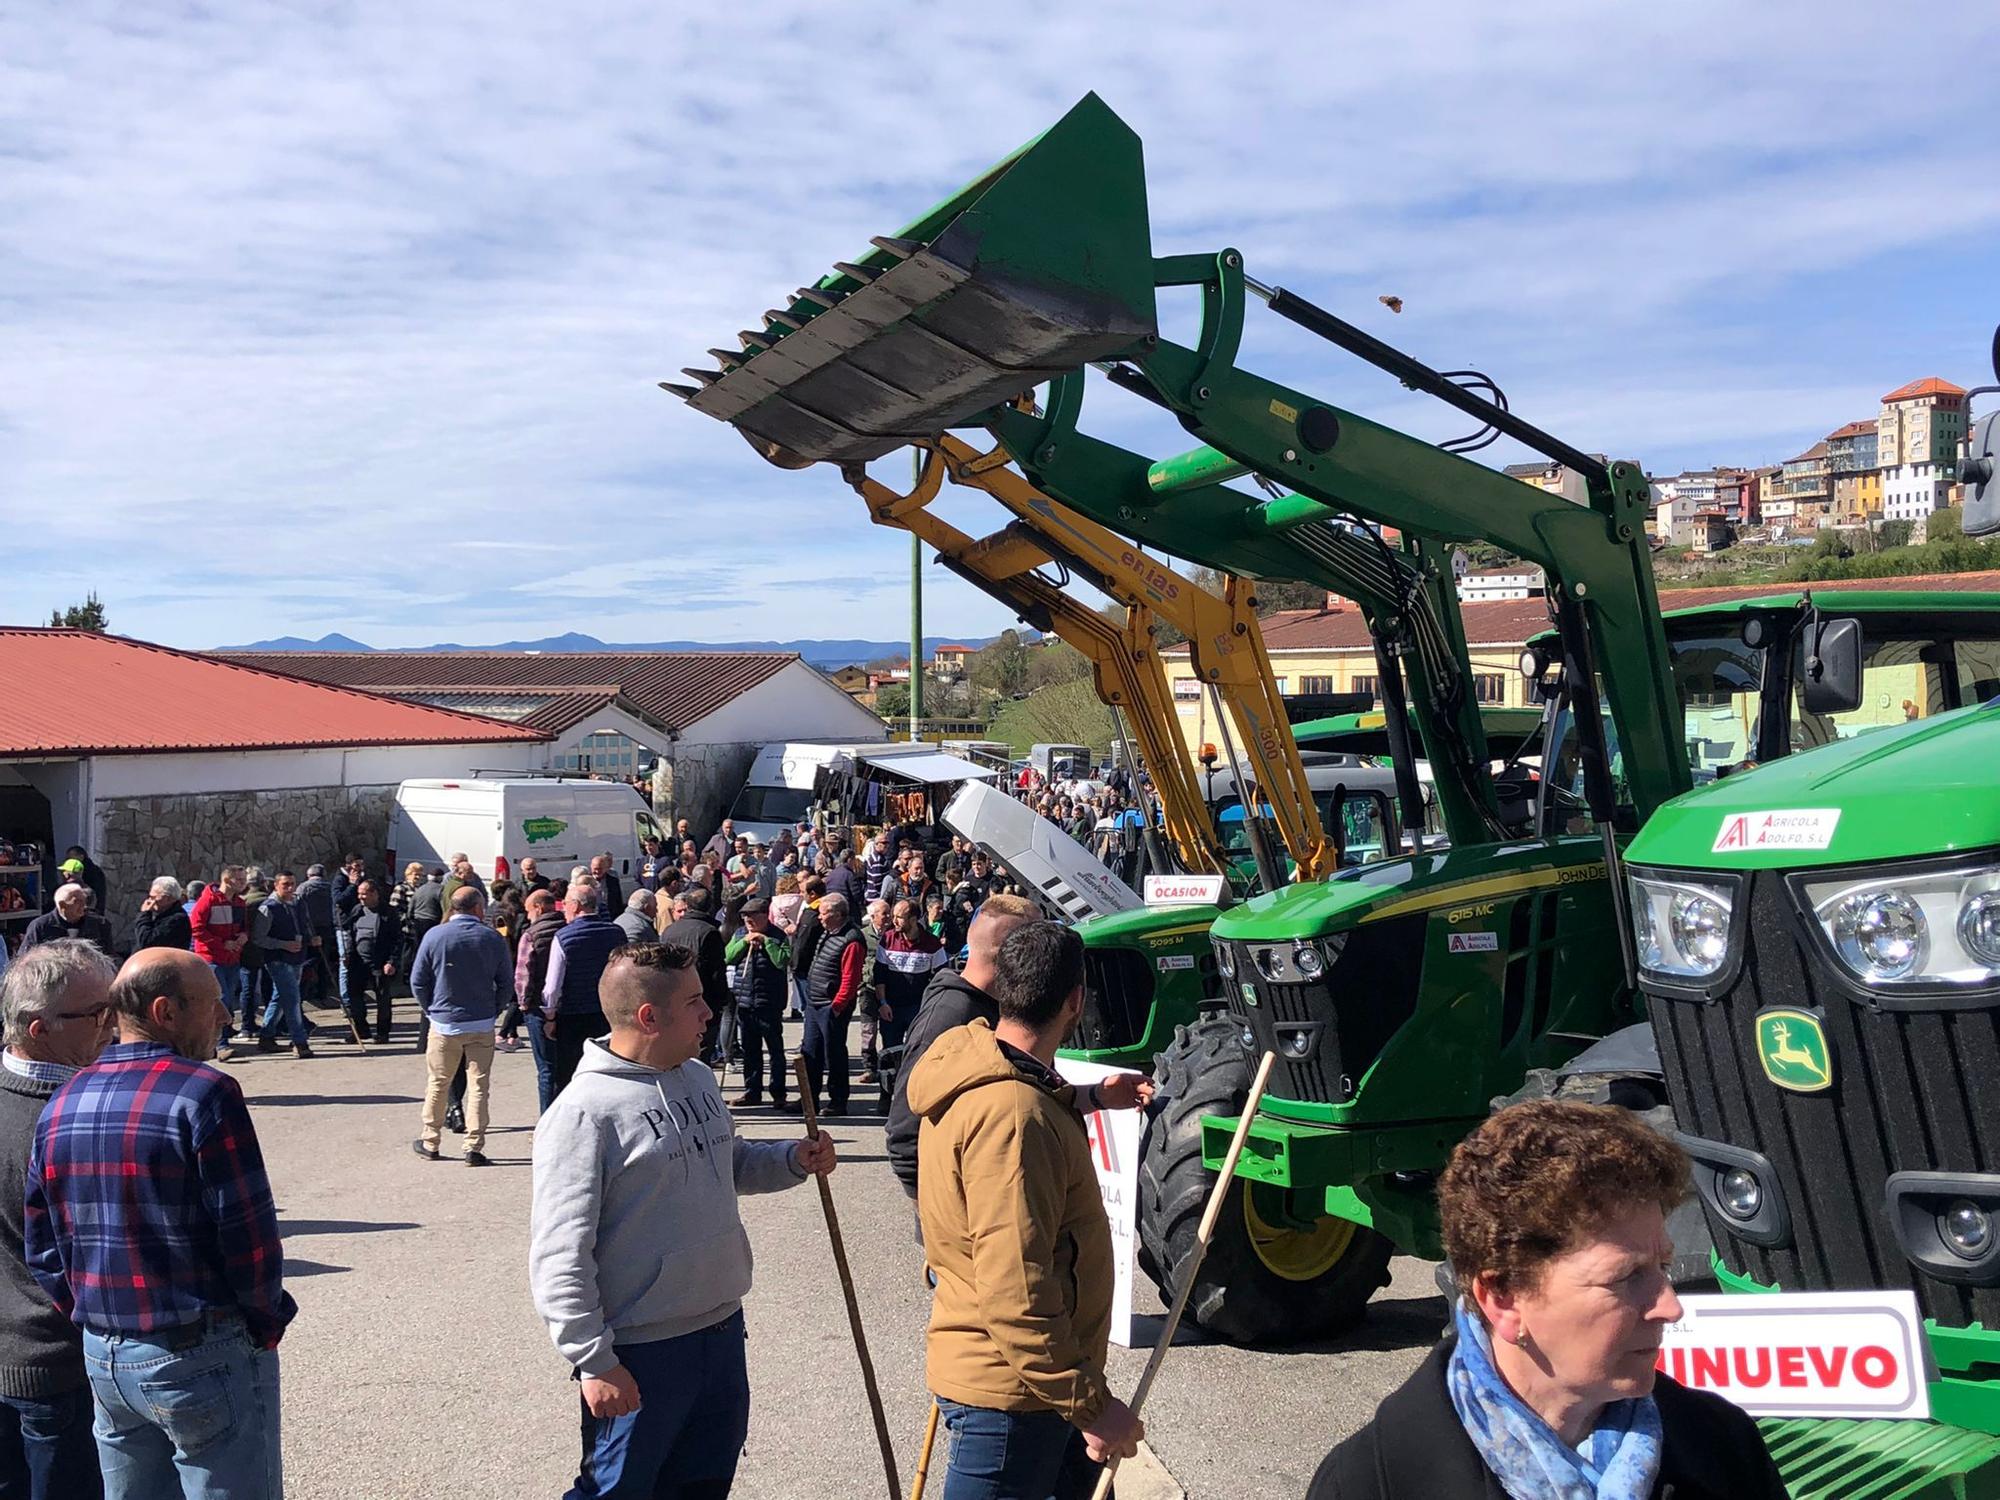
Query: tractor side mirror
[[1829, 667], [1977, 472]]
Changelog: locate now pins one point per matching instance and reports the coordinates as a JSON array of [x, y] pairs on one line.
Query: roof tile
[[674, 688], [75, 692]]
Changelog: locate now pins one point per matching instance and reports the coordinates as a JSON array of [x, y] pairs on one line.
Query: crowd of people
[[142, 1269]]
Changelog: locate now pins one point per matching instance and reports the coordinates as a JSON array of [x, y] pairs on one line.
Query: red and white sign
[[1184, 890], [1114, 1152], [1804, 1354], [1795, 828]]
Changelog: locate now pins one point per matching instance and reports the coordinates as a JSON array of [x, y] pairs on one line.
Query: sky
[[349, 316]]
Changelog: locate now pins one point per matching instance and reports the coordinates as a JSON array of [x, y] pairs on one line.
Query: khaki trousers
[[441, 1057]]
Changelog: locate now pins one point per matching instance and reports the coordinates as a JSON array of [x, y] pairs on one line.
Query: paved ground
[[417, 1367]]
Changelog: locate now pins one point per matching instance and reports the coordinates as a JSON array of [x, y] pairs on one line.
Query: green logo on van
[[541, 830], [1791, 1044]]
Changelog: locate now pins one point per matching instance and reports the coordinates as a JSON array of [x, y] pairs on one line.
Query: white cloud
[[350, 318]]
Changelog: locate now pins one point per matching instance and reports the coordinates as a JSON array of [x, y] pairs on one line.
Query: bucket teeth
[[819, 298], [784, 320], [756, 341], [901, 249], [729, 359], [685, 392], [706, 377], [855, 273]]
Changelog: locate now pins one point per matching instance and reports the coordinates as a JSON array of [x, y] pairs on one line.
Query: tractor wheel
[[1263, 1281]]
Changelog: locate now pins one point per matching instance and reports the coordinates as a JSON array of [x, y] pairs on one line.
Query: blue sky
[[349, 316]]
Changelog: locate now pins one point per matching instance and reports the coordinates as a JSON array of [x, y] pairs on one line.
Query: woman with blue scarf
[[1555, 1218]]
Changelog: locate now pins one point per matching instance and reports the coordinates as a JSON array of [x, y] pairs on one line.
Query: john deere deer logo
[[1791, 1044]]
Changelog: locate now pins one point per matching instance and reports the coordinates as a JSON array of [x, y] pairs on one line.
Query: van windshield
[[772, 804]]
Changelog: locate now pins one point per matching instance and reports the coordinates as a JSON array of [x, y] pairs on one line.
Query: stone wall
[[190, 837], [700, 782]]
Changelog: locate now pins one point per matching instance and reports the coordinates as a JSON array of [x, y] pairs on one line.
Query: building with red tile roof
[[165, 762]]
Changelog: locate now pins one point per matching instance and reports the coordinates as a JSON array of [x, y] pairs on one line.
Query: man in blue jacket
[[572, 1013], [463, 978]]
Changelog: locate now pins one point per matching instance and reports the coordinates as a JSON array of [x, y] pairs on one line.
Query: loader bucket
[[1038, 267]]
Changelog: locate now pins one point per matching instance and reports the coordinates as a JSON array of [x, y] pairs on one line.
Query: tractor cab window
[[1366, 822], [1902, 678], [1565, 804], [1717, 680], [1978, 666]]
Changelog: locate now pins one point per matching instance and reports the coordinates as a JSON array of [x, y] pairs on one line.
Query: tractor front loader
[[1400, 997]]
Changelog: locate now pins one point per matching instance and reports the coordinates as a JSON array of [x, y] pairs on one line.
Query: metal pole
[[916, 614]]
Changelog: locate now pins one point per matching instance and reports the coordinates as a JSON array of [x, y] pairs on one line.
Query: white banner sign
[[1114, 1151], [1183, 890], [1804, 1354]]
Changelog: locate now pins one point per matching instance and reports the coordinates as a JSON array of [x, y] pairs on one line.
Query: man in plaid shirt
[[149, 1221]]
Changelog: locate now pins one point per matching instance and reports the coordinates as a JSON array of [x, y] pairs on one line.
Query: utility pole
[[916, 615]]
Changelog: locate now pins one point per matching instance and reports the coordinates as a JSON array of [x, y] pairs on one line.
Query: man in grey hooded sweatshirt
[[638, 1259]]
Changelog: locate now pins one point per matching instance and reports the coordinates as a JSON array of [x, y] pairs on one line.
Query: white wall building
[[1911, 492]]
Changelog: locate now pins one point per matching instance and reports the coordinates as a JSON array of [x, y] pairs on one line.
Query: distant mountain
[[820, 653], [333, 642]]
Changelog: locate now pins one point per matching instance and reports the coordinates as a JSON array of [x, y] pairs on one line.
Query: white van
[[777, 795], [560, 821]]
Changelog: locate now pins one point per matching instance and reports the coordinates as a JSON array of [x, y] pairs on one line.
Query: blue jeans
[[199, 1420], [1014, 1455], [284, 995], [544, 1050], [344, 946], [47, 1451], [683, 1441], [234, 992]]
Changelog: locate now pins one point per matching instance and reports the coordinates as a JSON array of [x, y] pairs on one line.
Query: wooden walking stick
[[924, 1455], [1202, 1235], [847, 1291]]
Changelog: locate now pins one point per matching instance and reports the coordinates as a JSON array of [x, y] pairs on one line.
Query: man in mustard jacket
[[1015, 1235]]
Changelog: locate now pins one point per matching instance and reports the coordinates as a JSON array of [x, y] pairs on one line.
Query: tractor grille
[[1913, 1090], [1346, 1016]]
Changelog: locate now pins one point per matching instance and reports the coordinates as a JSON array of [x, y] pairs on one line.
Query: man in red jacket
[[221, 923]]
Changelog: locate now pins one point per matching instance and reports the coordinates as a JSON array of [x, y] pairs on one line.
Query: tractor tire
[[1244, 1292]]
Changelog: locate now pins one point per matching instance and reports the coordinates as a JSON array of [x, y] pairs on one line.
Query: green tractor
[[1402, 996], [1466, 965]]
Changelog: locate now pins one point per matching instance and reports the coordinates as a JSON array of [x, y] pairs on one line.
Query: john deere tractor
[[1403, 996]]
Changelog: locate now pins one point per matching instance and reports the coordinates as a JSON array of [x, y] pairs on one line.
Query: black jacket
[[378, 938], [948, 1001], [698, 933], [162, 929], [1417, 1449], [50, 926], [316, 895]]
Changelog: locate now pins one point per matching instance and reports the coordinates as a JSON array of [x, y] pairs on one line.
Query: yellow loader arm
[[1224, 637]]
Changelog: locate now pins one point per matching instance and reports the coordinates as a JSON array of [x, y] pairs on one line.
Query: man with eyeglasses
[[55, 1016]]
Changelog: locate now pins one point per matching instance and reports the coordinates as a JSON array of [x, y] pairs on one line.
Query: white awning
[[934, 768]]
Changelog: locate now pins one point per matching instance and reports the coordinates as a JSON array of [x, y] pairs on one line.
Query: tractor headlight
[[1225, 961], [1881, 934], [1681, 927], [1922, 927], [1967, 1228], [1740, 1193], [1306, 959]]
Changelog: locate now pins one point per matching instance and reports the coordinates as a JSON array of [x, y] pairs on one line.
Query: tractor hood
[[1449, 879], [1925, 787]]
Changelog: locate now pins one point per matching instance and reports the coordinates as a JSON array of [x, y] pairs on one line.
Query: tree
[[1945, 525], [1895, 533], [1055, 663], [88, 615], [892, 700], [1001, 665], [1065, 713]]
